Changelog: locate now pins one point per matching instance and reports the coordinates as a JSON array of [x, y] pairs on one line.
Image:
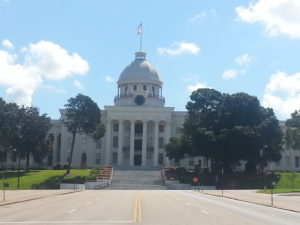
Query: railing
[[131, 95]]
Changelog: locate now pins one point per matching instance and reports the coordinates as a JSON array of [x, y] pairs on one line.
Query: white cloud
[[180, 48], [198, 16], [54, 89], [191, 88], [277, 16], [282, 93], [109, 79], [78, 85], [190, 77], [43, 61], [243, 60], [230, 74], [7, 44]]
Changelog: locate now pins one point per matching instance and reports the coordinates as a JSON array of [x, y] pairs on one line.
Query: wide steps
[[137, 180]]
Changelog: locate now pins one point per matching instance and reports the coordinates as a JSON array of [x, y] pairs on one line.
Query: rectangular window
[[160, 158], [115, 157], [98, 144], [134, 87], [116, 127], [191, 161], [97, 158], [297, 161], [278, 164], [115, 141], [161, 128], [138, 145], [161, 142], [138, 128], [145, 88], [287, 161]]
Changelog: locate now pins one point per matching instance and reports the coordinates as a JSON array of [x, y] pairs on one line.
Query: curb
[[31, 199], [256, 203]]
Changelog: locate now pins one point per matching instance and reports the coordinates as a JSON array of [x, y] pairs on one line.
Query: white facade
[[137, 128]]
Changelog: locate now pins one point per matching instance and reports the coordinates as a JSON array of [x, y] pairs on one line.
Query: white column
[[144, 143], [131, 152], [120, 143], [156, 135], [168, 135], [108, 142], [54, 149]]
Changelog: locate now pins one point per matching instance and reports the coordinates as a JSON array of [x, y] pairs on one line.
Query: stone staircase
[[137, 180]]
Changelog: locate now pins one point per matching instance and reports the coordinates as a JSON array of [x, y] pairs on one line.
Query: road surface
[[155, 207]]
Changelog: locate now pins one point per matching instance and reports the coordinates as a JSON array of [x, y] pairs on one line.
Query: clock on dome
[[139, 100]]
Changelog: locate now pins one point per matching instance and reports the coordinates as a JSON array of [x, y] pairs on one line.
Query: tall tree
[[292, 133], [228, 128], [82, 117], [9, 120], [31, 137]]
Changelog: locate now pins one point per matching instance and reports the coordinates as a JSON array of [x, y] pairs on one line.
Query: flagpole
[[141, 39]]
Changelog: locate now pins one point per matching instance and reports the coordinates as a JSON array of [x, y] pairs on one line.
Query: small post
[[272, 200], [3, 182], [222, 171], [19, 171]]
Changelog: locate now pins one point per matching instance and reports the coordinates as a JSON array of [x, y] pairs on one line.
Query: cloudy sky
[[51, 50]]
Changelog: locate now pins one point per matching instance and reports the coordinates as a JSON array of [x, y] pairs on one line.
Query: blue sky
[[51, 50]]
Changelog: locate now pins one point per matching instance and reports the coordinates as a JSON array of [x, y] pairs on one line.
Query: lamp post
[[272, 187], [19, 165], [261, 154], [3, 181]]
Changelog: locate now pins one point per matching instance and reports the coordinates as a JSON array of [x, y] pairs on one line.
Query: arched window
[[145, 88], [126, 89], [134, 87]]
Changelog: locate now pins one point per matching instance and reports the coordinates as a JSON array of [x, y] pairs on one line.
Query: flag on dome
[[139, 29]]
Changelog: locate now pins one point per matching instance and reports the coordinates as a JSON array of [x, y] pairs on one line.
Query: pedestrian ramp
[[137, 180]]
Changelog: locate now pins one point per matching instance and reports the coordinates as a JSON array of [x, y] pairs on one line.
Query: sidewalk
[[289, 201], [27, 195]]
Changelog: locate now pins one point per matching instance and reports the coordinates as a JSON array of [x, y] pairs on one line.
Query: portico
[[137, 142]]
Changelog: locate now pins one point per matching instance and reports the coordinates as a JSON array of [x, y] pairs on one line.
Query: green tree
[[31, 135], [292, 133], [82, 117], [9, 119], [228, 128]]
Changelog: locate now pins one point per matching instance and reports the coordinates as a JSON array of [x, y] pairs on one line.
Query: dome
[[139, 71]]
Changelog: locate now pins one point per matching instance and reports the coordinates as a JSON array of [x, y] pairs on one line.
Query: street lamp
[[261, 154], [19, 164]]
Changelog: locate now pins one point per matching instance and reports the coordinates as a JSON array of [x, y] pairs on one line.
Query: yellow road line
[[137, 209]]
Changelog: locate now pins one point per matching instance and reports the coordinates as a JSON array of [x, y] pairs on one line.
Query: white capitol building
[[137, 128]]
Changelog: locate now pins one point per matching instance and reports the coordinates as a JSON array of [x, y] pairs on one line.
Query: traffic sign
[[195, 180]]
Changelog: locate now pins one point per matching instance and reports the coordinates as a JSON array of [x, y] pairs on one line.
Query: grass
[[287, 182], [46, 179], [284, 182]]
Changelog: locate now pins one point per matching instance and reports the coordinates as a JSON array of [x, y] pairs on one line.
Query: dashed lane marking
[[137, 217], [68, 222], [72, 210], [203, 211]]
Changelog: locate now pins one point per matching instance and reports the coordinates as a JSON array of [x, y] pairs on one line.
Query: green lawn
[[44, 179], [287, 182], [284, 182]]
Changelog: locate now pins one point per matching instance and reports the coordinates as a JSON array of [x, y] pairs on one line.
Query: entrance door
[[137, 160]]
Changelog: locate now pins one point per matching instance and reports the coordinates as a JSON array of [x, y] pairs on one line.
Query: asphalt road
[[155, 207]]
